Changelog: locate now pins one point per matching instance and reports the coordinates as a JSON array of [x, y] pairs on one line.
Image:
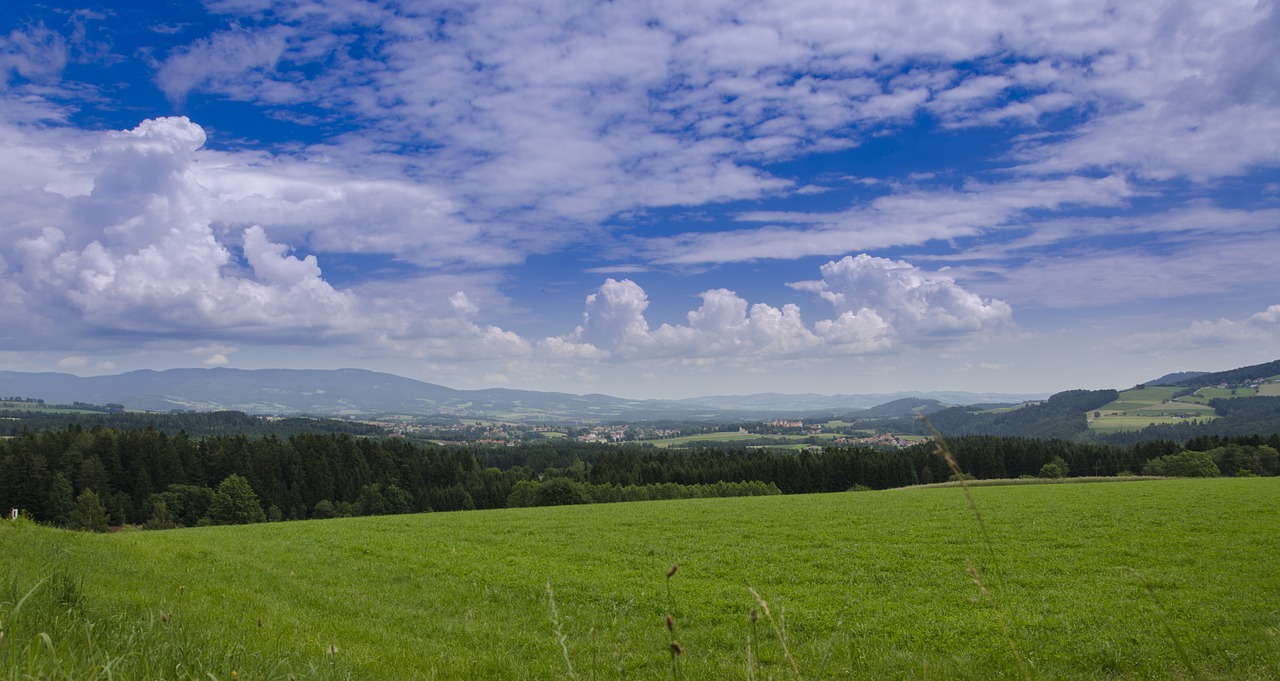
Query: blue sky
[[645, 199]]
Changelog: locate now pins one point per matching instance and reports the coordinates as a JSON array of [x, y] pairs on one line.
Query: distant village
[[503, 433]]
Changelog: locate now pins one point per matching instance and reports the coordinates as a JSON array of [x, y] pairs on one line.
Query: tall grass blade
[[559, 632], [940, 446], [781, 634]]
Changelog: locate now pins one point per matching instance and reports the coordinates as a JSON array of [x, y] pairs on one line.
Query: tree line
[[194, 423], [146, 476]]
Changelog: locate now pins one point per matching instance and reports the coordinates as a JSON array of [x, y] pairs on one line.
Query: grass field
[[744, 438], [43, 409], [1118, 422], [1142, 407], [1119, 581]]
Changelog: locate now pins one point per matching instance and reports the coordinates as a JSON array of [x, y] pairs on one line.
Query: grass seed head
[[676, 648], [977, 578], [672, 572], [763, 605], [671, 623]]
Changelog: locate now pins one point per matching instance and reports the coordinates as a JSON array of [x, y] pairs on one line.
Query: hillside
[[872, 585], [907, 406], [1256, 372], [1170, 379], [349, 392]]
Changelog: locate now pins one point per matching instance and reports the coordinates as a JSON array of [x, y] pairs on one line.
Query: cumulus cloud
[[137, 253], [904, 297], [880, 304], [335, 210], [1271, 315], [614, 317]]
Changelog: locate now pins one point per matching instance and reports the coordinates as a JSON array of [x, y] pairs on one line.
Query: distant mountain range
[[357, 392]]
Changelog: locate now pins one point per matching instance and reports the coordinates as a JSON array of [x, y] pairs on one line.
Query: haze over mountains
[[359, 392]]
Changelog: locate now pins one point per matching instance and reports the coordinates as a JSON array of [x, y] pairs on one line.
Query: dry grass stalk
[[782, 636], [559, 631], [941, 448]]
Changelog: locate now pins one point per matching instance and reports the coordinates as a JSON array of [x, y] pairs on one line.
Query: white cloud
[[1271, 315], [906, 218], [32, 53], [614, 317], [336, 210], [1160, 255], [1200, 334], [73, 362], [880, 304], [135, 251], [230, 61], [908, 299]]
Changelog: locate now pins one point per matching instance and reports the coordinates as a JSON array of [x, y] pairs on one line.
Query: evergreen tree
[[61, 500]]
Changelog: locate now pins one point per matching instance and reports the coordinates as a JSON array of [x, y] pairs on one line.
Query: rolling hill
[[350, 392]]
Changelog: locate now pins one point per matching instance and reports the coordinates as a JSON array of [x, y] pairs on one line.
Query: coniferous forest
[[92, 478]]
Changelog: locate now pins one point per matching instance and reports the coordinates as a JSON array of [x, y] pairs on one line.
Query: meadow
[[1141, 407], [1150, 579]]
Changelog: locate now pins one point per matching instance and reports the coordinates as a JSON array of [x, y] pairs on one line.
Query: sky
[[644, 199]]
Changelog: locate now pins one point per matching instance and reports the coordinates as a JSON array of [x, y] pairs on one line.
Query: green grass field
[[1212, 393], [1139, 408], [1163, 579], [1115, 423], [744, 438], [702, 437], [1137, 398], [43, 409]]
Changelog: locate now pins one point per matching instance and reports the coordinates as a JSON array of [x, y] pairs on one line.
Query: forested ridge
[[14, 421], [147, 476]]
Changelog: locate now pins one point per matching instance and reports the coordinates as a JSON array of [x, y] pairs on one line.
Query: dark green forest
[[81, 477], [194, 423]]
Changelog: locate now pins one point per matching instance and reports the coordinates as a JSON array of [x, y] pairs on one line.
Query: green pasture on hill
[[1135, 580], [1141, 407]]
